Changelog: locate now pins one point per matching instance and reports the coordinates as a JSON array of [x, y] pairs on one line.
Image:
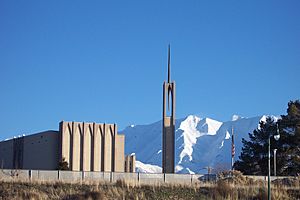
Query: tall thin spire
[[169, 66], [168, 122]]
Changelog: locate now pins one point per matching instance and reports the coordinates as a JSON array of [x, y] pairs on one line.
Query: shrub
[[63, 165]]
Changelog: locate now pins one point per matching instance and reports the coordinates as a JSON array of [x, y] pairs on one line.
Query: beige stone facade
[[130, 163], [85, 146], [92, 146]]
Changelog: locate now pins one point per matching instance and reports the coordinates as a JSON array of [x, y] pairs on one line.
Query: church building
[[84, 146]]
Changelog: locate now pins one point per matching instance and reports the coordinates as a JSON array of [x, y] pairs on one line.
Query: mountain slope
[[200, 142]]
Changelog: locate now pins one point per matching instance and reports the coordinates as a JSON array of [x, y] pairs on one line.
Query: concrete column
[[65, 131], [132, 163], [173, 103], [107, 148], [76, 148], [119, 153], [163, 131], [102, 145], [168, 150], [97, 149], [86, 159], [113, 130], [127, 163]]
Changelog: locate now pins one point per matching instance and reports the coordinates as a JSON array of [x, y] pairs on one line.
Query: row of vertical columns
[[88, 146]]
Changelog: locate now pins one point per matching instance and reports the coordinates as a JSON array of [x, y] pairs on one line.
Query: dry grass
[[236, 187]]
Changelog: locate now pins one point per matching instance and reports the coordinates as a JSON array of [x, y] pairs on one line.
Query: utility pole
[[269, 168], [275, 162], [276, 137], [232, 149]]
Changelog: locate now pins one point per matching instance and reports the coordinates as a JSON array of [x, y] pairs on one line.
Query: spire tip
[[169, 65]]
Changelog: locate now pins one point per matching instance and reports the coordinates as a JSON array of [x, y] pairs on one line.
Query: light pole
[[276, 137], [274, 161]]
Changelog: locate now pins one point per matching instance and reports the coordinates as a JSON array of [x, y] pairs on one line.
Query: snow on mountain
[[200, 142], [147, 168], [190, 130], [236, 117]]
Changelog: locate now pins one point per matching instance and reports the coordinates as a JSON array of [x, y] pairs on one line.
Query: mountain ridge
[[200, 142]]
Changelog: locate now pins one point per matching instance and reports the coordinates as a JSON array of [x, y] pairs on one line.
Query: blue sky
[[105, 61]]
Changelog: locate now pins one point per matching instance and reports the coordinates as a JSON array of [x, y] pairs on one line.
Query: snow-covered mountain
[[200, 142]]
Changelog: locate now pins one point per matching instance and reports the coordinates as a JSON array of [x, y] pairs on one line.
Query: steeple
[[169, 75], [169, 65], [168, 129]]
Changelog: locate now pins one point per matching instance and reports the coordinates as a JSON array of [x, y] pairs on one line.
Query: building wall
[[6, 154], [92, 146], [40, 151], [85, 146], [119, 153], [37, 151], [130, 163]]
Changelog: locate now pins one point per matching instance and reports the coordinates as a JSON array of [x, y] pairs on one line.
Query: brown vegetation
[[232, 187]]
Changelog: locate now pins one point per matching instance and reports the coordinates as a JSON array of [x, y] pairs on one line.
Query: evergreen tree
[[254, 155], [290, 145]]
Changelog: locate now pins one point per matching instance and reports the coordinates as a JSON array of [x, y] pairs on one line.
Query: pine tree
[[290, 145], [253, 158]]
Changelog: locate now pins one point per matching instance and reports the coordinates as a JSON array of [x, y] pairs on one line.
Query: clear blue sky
[[105, 61]]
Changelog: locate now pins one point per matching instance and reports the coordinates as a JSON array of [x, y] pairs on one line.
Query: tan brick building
[[130, 163], [85, 146], [92, 147]]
